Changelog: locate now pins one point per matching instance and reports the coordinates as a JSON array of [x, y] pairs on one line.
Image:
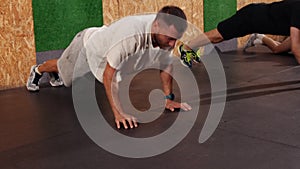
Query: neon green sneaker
[[197, 56], [186, 56]]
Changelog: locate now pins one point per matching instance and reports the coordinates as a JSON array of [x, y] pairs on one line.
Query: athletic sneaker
[[55, 79], [250, 41], [186, 56], [197, 55], [33, 80]]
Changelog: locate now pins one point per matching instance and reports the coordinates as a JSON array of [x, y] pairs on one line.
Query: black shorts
[[252, 18]]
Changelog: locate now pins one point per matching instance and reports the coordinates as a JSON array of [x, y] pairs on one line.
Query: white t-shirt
[[126, 45]]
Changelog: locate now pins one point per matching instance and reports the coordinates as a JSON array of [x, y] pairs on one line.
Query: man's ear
[[155, 26]]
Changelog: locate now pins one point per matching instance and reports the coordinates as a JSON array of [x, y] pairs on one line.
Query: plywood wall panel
[[197, 14], [110, 11], [114, 10], [17, 50]]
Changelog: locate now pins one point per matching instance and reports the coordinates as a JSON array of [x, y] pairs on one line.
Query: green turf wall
[[217, 10], [57, 21]]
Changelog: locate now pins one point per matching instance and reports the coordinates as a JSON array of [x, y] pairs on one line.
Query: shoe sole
[[55, 85], [196, 61], [32, 89]]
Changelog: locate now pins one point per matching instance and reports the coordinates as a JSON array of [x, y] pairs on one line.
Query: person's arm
[[111, 88], [167, 82], [295, 42]]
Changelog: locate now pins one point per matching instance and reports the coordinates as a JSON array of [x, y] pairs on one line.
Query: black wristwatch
[[171, 96]]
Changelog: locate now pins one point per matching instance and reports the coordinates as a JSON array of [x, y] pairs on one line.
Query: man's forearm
[[167, 80], [111, 89]]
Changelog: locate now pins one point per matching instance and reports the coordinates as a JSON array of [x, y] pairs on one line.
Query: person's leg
[[74, 58], [275, 46], [235, 26], [64, 65], [37, 71], [48, 66], [270, 43], [212, 36]]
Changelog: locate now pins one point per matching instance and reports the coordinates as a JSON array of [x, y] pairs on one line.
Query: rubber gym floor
[[259, 128]]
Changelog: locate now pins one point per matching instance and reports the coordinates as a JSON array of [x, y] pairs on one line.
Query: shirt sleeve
[[121, 51]]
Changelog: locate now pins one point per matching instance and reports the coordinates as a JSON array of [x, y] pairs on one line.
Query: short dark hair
[[173, 15]]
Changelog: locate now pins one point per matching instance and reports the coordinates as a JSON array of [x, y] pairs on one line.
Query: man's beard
[[156, 42]]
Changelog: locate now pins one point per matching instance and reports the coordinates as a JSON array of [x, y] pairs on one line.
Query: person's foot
[[197, 56], [55, 79], [33, 80], [187, 56], [250, 41]]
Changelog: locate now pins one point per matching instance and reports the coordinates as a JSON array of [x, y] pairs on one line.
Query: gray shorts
[[66, 63]]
